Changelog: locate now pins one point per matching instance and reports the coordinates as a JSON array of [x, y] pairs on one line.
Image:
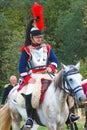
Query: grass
[[80, 127], [42, 128]]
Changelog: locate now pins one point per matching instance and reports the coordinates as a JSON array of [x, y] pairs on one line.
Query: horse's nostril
[[80, 99]]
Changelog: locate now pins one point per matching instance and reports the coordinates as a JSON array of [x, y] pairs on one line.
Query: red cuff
[[26, 79], [52, 67]]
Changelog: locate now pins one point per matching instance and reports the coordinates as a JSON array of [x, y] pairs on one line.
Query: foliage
[[13, 19], [83, 68], [71, 34], [11, 55]]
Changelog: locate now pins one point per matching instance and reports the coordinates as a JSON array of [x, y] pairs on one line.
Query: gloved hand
[[27, 79], [24, 81], [51, 68]]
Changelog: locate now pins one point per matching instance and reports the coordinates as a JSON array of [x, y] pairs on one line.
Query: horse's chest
[[57, 111]]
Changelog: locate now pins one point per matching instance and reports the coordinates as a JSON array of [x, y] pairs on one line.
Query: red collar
[[35, 45]]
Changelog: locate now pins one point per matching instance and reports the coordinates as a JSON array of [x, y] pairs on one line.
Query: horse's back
[[15, 96]]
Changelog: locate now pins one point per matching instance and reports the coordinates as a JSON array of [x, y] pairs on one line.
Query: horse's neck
[[54, 102], [61, 96], [55, 94]]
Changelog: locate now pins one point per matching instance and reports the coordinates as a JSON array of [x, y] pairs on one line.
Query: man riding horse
[[36, 57]]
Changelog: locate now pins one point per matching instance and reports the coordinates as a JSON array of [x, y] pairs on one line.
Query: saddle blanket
[[38, 90]]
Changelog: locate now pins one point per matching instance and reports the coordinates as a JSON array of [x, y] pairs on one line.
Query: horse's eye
[[70, 80]]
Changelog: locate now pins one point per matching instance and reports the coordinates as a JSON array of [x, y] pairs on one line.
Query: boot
[[72, 118], [29, 121], [29, 110]]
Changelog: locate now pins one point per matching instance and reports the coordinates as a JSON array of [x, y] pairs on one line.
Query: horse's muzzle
[[80, 97]]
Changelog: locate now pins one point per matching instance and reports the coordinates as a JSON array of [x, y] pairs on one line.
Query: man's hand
[[49, 69]]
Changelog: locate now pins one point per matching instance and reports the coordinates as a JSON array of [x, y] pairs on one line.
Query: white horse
[[54, 110]]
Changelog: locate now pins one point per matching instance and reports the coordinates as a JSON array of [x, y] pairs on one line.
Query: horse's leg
[[16, 120], [16, 124], [85, 125], [52, 127], [59, 128], [75, 125], [71, 126]]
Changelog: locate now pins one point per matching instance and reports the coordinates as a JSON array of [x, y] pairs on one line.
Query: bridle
[[69, 89]]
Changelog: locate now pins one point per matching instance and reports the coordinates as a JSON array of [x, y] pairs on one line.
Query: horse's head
[[72, 82]]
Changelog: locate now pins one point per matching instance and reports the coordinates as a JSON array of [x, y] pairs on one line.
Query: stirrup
[[29, 123]]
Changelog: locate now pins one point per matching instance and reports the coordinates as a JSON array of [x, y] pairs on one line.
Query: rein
[[51, 74], [69, 90]]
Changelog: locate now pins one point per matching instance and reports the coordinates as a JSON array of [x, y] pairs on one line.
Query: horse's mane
[[58, 80], [58, 77]]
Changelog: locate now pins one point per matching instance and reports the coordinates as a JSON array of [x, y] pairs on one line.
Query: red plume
[[37, 11]]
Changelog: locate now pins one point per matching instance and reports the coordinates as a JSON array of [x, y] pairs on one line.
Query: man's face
[[37, 39]]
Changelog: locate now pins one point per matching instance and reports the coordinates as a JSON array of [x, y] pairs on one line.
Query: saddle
[[39, 94], [45, 84]]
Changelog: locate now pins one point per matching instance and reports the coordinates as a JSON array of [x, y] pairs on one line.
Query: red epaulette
[[48, 48], [25, 48]]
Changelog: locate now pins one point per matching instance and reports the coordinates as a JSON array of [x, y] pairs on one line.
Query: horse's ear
[[58, 80], [63, 66], [78, 65]]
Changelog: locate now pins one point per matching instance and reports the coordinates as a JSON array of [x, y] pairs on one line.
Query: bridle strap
[[70, 72], [69, 90], [78, 88]]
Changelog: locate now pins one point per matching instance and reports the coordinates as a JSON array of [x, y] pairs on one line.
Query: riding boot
[[72, 118], [29, 110]]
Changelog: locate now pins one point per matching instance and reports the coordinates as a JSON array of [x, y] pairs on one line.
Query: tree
[[13, 20], [71, 34]]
